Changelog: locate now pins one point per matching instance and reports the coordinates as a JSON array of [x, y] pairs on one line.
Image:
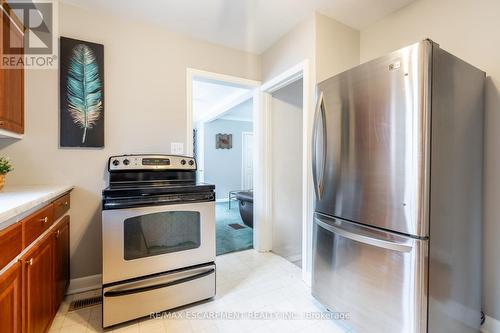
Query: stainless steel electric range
[[158, 236]]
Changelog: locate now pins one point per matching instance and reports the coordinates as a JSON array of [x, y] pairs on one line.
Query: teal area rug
[[228, 238]]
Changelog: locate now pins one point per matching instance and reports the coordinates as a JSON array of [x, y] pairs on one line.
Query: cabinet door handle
[[29, 262], [44, 219], [2, 122], [58, 232], [65, 203]]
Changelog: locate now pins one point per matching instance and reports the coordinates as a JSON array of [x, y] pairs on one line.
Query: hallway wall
[[286, 150], [223, 166]]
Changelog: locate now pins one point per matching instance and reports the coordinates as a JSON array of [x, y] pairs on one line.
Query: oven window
[[160, 233]]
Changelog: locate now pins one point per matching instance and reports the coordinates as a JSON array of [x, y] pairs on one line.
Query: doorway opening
[[286, 123], [223, 144], [289, 165]]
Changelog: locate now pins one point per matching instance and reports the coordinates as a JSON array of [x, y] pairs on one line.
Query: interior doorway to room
[[286, 140], [223, 127]]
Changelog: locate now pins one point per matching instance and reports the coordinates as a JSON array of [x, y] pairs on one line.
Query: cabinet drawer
[[61, 206], [35, 224], [10, 243]]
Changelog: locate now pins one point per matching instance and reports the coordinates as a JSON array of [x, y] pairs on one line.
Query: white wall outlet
[[176, 148]]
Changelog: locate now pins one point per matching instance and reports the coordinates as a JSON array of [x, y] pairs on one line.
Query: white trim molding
[[260, 136], [491, 325], [302, 71], [289, 76], [243, 159], [262, 231], [237, 119], [85, 283], [192, 73]]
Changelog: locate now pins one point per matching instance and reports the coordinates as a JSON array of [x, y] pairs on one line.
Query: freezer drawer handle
[[382, 243], [158, 286]]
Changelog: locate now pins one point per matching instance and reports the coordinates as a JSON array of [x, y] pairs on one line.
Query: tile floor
[[246, 281]]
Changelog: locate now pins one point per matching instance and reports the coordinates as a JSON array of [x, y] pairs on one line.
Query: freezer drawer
[[131, 300], [379, 278]]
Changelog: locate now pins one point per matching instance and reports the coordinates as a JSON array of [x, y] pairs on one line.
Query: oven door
[[148, 240]]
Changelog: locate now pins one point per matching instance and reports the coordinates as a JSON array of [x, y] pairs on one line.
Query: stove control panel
[[151, 162]]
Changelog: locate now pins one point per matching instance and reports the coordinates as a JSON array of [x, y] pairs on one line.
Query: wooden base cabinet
[[61, 260], [46, 278], [11, 299], [38, 286], [35, 276]]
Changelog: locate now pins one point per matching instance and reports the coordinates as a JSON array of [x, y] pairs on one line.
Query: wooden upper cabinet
[[11, 299], [61, 260], [38, 283], [11, 80]]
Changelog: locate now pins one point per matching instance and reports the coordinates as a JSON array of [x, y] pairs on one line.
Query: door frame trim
[[299, 71], [243, 134], [259, 130], [192, 73]]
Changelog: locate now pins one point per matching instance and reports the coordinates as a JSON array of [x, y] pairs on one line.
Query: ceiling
[[249, 25], [209, 96], [242, 112]]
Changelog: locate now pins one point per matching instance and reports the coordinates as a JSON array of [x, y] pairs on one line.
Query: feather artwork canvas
[[81, 93]]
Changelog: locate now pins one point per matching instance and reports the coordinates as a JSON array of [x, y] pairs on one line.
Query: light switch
[[177, 148]]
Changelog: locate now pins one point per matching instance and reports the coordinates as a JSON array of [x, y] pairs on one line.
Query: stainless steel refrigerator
[[397, 168]]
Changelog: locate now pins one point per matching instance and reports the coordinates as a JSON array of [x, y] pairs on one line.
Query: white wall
[[222, 167], [289, 50], [286, 148], [330, 46], [337, 47], [145, 73], [470, 30]]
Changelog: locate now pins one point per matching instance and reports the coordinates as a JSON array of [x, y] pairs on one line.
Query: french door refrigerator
[[397, 168]]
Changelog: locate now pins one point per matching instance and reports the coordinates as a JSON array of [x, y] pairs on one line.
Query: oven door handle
[[124, 292]]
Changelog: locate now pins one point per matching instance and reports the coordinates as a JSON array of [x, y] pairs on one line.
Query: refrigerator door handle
[[366, 235], [318, 183]]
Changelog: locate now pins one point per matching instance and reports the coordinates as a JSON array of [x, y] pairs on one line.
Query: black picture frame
[[81, 125], [223, 141]]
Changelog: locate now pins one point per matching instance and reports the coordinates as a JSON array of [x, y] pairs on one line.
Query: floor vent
[[84, 303], [236, 226]]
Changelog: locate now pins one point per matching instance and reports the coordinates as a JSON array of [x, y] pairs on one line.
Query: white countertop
[[16, 202]]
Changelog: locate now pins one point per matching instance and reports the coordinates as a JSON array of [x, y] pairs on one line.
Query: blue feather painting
[[81, 94]]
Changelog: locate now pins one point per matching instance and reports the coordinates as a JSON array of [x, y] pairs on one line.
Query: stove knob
[[183, 162], [116, 162], [191, 162], [126, 162]]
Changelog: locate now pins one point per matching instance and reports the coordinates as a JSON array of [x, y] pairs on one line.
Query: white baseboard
[[83, 284], [491, 325], [222, 200]]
